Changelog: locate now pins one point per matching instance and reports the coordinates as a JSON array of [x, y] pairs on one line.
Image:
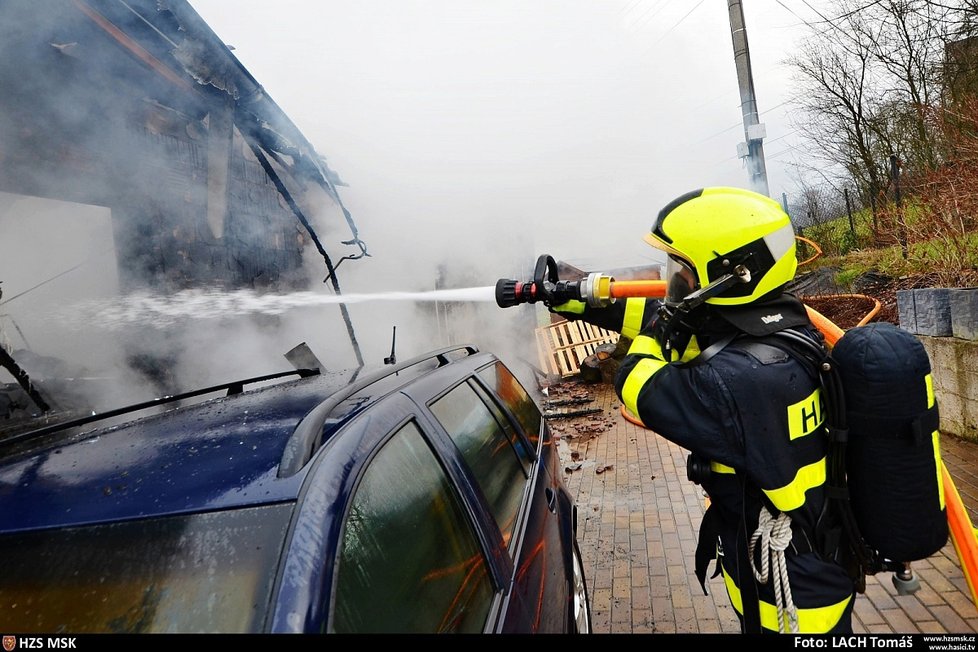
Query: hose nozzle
[[511, 293], [595, 290]]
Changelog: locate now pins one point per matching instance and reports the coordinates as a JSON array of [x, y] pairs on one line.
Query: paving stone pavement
[[639, 517]]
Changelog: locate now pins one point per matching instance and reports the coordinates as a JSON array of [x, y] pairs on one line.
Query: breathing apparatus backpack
[[885, 500]]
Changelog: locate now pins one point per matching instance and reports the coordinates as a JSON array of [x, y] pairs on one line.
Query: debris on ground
[[582, 429], [573, 429], [581, 425], [571, 413], [569, 391], [563, 402]]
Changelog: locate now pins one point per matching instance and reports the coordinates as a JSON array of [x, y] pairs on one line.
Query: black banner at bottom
[[87, 642]]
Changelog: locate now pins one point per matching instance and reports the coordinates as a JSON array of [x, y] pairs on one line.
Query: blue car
[[424, 497]]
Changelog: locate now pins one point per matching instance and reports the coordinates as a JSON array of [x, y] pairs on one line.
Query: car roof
[[219, 454]]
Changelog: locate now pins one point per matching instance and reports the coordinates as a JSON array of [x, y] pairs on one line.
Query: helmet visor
[[680, 280]]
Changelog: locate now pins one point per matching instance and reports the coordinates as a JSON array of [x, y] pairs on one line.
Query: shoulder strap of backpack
[[838, 512]]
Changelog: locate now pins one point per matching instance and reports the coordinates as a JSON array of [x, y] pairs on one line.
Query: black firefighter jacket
[[753, 415]]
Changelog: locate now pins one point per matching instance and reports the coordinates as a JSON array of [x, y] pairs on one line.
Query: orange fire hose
[[657, 290], [872, 313], [829, 329], [818, 250], [963, 534], [640, 289]]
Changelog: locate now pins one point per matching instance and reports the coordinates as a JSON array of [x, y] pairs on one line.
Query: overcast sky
[[473, 135], [561, 126]]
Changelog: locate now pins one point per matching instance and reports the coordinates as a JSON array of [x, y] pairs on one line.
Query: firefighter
[[705, 371]]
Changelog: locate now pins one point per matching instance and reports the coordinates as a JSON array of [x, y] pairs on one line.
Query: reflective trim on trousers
[[814, 620]]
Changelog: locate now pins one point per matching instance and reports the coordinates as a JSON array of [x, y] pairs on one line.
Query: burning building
[[138, 108]]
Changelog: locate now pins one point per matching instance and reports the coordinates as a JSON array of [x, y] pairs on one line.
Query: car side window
[[513, 394], [410, 561], [486, 450]]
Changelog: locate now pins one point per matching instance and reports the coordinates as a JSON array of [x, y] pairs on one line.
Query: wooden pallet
[[564, 346]]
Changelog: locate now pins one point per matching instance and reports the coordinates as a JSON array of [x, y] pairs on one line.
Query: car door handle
[[551, 499]]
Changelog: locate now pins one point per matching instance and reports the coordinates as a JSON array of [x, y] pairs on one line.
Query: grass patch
[[942, 253]]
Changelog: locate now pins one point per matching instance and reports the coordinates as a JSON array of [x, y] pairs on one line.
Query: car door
[[522, 498], [543, 577], [409, 559], [386, 540]]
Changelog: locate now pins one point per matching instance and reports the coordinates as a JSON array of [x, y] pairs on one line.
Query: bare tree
[[911, 45], [839, 102], [870, 82]]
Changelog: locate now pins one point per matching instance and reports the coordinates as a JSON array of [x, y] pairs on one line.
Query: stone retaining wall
[[946, 321], [954, 366]]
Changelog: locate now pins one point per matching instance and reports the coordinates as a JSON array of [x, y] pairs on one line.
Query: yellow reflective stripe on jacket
[[632, 323], [645, 345], [814, 620], [639, 375], [716, 467], [692, 350], [647, 367], [792, 495], [573, 307]]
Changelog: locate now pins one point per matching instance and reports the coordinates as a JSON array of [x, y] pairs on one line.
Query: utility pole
[[754, 131]]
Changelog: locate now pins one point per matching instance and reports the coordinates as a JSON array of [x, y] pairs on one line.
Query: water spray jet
[[161, 310]]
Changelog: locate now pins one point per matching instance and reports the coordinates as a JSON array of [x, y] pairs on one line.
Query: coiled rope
[[775, 537]]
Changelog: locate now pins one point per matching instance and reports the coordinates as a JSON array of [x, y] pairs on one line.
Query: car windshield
[[210, 572]]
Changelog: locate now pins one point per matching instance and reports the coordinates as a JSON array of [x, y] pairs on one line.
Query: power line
[[794, 13], [658, 4], [776, 106], [806, 22], [628, 7], [741, 124], [817, 12], [774, 140], [785, 151], [767, 156], [658, 10], [848, 14], [720, 133], [639, 19], [678, 23], [712, 100]]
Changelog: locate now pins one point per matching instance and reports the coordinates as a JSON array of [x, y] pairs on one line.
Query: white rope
[[775, 537]]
